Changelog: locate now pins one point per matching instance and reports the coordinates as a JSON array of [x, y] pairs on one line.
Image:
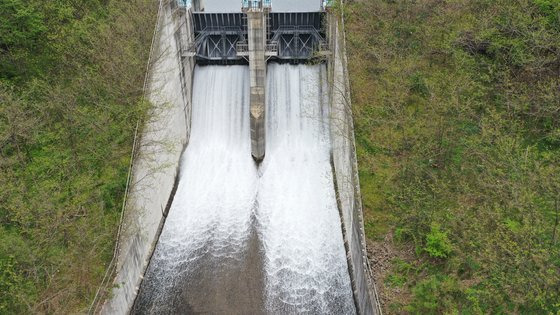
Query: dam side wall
[[157, 154], [346, 174]]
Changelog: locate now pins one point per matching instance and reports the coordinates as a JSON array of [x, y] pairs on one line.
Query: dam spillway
[[242, 238], [208, 230], [305, 261], [205, 244]]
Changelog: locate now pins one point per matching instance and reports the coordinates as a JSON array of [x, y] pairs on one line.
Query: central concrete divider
[[156, 160], [256, 23]]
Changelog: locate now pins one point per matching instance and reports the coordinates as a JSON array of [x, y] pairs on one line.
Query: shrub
[[437, 243]]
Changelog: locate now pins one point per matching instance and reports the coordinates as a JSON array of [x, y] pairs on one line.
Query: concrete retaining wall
[[346, 174], [156, 161]]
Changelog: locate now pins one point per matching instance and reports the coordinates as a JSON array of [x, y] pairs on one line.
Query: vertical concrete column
[[256, 24]]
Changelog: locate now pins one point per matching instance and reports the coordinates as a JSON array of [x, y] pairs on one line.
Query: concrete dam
[[244, 194]]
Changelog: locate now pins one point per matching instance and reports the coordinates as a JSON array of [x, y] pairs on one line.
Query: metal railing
[[221, 29], [272, 47], [256, 4], [290, 29], [242, 47]]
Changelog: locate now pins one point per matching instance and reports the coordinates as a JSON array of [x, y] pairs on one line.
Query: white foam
[[212, 208], [305, 260], [297, 218]]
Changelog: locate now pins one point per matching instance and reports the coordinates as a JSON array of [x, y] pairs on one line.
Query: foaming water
[[235, 242], [305, 261], [216, 195], [205, 242]]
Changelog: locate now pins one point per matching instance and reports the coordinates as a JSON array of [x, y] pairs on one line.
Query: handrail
[[206, 29], [272, 46], [243, 46]]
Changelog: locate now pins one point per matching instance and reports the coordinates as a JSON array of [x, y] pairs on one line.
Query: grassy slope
[[71, 76], [457, 113]]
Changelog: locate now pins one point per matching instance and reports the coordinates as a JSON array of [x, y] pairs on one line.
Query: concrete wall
[[159, 149], [346, 174]]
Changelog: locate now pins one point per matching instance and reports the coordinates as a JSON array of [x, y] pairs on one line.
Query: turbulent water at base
[[205, 243], [305, 260], [245, 240]]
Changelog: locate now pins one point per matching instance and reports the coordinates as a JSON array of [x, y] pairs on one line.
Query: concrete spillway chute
[[203, 32]]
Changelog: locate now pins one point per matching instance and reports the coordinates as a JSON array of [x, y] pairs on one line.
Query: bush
[[437, 243]]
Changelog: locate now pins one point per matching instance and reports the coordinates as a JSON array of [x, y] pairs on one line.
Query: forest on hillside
[[71, 78], [457, 116]]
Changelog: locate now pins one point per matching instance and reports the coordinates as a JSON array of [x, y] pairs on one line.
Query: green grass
[[71, 77], [457, 117]]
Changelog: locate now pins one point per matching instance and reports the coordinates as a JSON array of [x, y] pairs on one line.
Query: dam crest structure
[[244, 194], [256, 35]]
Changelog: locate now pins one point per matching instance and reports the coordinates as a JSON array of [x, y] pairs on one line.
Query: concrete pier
[[256, 24]]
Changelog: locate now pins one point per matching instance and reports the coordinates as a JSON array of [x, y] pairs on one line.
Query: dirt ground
[[381, 255]]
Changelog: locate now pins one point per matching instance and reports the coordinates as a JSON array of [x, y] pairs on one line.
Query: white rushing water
[[305, 260], [216, 194], [301, 265], [212, 209]]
